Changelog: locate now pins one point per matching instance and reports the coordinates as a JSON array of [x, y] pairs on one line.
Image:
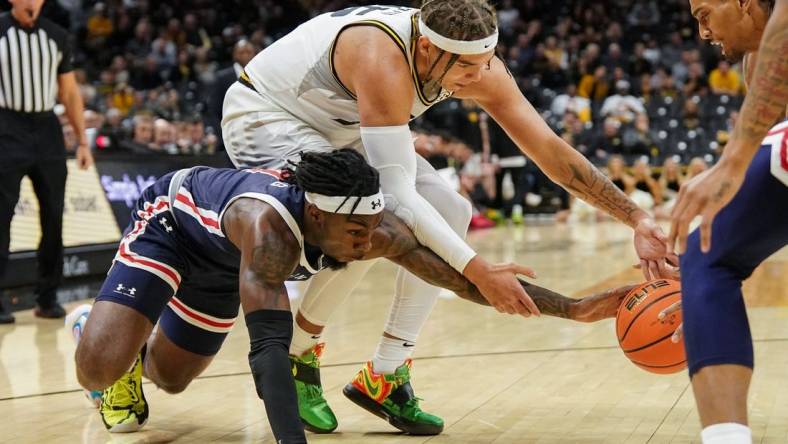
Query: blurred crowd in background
[[627, 83]]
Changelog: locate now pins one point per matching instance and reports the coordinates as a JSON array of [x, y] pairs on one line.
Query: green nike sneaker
[[391, 397], [123, 406], [312, 406]]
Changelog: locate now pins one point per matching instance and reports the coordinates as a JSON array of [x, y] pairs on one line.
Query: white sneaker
[[75, 324]]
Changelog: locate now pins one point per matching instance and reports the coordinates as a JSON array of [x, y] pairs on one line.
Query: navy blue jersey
[[199, 197]]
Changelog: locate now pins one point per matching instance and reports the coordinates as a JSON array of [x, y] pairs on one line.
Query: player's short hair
[[342, 172], [465, 20]]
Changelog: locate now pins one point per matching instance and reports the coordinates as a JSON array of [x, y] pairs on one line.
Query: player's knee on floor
[[716, 329]]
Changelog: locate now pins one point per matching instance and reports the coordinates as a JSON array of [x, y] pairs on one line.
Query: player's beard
[[735, 56]]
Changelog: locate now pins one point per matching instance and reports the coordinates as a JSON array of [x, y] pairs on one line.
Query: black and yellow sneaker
[[391, 397], [123, 406], [313, 409]]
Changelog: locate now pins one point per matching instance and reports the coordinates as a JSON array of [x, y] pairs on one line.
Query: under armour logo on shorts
[[376, 204]]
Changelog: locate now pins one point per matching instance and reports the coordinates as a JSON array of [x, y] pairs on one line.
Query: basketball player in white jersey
[[355, 78]]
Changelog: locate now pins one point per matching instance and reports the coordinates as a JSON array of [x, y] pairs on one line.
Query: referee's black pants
[[32, 146]]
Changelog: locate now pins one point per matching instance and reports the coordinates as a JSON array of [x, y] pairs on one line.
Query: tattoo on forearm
[[549, 302], [589, 184], [768, 95], [431, 268]]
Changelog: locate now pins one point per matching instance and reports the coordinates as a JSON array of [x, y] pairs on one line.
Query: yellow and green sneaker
[[391, 397], [123, 406], [312, 406]]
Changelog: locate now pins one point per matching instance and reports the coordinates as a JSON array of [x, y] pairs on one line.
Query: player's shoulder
[[373, 43]]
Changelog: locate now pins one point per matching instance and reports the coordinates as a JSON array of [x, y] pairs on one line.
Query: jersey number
[[361, 10]]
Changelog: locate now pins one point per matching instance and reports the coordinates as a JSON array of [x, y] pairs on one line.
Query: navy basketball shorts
[[753, 226], [194, 303]]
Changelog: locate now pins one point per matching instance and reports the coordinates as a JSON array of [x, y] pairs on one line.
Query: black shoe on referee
[[54, 311], [5, 316]]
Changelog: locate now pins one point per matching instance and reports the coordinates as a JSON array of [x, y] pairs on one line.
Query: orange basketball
[[642, 336]]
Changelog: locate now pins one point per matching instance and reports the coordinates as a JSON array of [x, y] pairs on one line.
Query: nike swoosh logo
[[316, 337], [405, 344]]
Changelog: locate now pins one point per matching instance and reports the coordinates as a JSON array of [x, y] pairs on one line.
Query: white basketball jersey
[[296, 72]]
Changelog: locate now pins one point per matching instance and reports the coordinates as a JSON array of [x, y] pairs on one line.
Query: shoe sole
[[314, 429], [130, 427], [368, 404]]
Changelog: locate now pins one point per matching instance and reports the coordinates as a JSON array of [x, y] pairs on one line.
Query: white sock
[[390, 354], [726, 433], [302, 340]]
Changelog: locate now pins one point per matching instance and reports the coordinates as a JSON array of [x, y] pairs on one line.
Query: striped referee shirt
[[30, 61]]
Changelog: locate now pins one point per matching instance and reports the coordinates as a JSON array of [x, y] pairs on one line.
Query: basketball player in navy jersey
[[743, 202], [202, 241]]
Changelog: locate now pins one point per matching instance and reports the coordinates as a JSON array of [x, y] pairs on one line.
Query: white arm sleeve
[[390, 150]]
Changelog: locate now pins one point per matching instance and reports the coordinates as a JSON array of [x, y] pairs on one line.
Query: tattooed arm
[[706, 194], [269, 254], [500, 96], [394, 241], [768, 90]]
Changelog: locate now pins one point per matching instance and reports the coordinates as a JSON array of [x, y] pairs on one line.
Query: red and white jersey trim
[[778, 139], [199, 319], [209, 219], [126, 256]]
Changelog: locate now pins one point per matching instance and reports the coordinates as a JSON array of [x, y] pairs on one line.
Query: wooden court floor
[[493, 378]]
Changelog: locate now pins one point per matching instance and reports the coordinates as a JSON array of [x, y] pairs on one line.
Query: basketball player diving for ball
[[204, 241], [743, 202], [355, 78]]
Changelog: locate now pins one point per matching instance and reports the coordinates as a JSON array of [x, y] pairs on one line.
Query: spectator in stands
[[696, 166], [616, 171], [724, 80], [670, 181], [638, 63], [680, 69], [639, 140], [164, 137], [696, 83], [622, 105], [608, 142], [570, 102], [575, 133], [644, 180], [99, 26], [204, 68], [594, 86], [148, 76], [614, 57], [690, 115], [142, 135], [243, 51]]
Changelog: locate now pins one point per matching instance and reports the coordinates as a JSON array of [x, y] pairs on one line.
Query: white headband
[[367, 205], [459, 46]]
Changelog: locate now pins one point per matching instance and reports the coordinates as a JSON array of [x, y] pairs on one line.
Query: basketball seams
[[643, 347], [644, 309]]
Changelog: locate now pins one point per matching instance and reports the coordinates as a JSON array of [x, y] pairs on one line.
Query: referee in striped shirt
[[35, 72]]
